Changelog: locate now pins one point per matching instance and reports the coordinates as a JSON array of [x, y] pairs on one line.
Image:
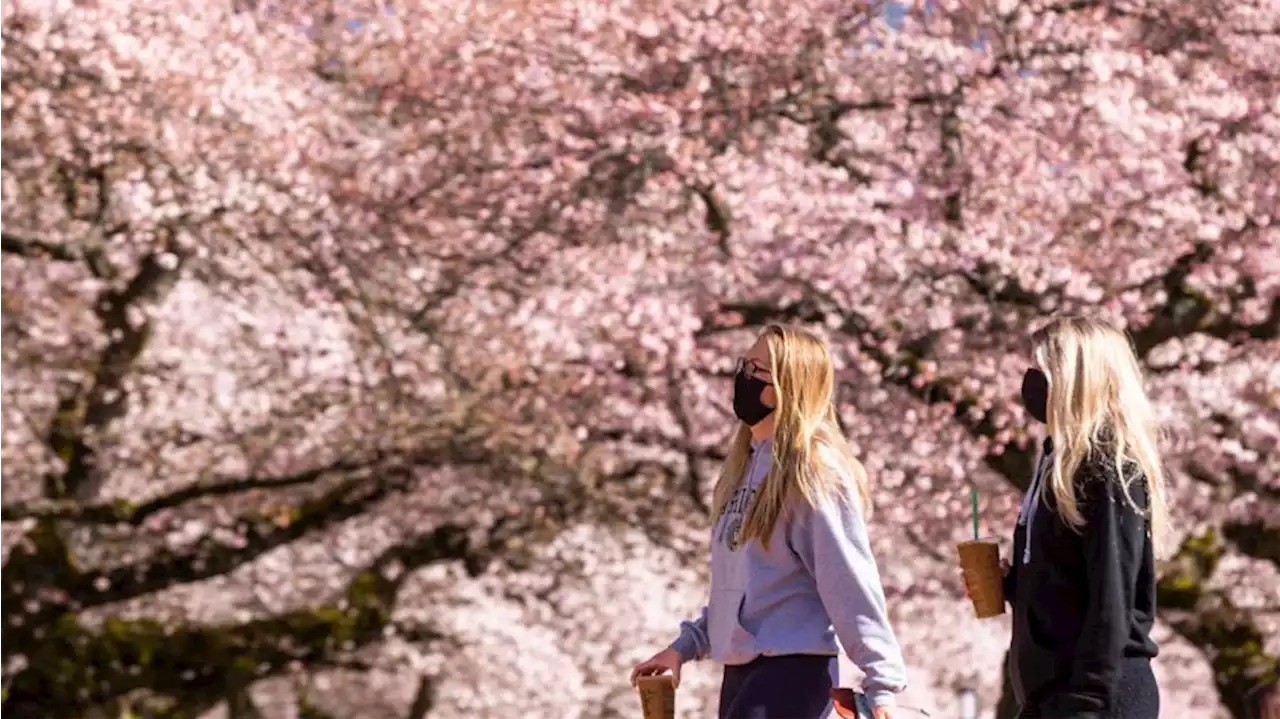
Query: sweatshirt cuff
[[686, 647], [882, 698]]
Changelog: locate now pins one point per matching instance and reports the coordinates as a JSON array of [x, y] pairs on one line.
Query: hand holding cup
[[983, 573], [657, 696], [1004, 572], [656, 679]]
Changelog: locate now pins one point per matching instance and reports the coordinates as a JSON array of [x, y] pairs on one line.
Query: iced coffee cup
[[980, 563], [657, 697]]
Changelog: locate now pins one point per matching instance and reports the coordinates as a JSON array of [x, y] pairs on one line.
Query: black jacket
[[1084, 600]]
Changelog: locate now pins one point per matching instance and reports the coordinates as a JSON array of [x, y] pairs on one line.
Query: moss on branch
[[40, 575], [1255, 538], [1207, 618], [72, 668]]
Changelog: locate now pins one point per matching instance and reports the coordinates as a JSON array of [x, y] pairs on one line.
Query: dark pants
[[1137, 695], [795, 686]]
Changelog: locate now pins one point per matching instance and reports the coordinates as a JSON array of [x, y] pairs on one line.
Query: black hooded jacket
[[1083, 599]]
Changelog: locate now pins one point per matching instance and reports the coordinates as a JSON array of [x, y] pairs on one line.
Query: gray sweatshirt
[[816, 581]]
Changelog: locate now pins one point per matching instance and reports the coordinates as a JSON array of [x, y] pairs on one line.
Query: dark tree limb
[[175, 662], [40, 576], [1208, 619], [1254, 536], [423, 699], [718, 219], [697, 481], [123, 512], [124, 316], [32, 246], [240, 704], [1183, 313], [951, 136], [43, 583], [256, 534], [73, 669], [990, 281]]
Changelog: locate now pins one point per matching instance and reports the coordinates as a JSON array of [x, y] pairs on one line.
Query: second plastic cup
[[980, 562]]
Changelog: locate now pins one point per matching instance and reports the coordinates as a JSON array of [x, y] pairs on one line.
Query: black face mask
[[1035, 394], [746, 399]]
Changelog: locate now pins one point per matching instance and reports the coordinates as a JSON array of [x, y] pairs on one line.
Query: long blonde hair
[[811, 457], [1097, 403]]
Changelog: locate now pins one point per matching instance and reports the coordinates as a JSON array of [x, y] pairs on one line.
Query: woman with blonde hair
[[791, 565], [1083, 582]]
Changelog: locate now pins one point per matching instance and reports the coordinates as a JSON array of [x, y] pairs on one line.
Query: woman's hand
[[847, 704], [664, 661]]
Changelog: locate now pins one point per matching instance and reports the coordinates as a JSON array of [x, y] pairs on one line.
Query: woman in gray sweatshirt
[[791, 565]]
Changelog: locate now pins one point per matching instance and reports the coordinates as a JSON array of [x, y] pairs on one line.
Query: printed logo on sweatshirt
[[735, 513]]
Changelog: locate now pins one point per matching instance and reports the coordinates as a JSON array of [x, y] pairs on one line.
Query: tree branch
[[41, 580], [989, 281], [423, 699], [73, 669], [718, 219], [1208, 619], [1184, 311], [134, 514], [26, 244], [127, 326]]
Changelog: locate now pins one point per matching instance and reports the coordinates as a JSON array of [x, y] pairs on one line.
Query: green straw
[[973, 500]]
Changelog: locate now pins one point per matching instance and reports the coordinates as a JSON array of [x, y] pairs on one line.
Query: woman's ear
[[769, 397]]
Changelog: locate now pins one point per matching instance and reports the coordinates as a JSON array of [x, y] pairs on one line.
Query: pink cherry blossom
[[373, 356]]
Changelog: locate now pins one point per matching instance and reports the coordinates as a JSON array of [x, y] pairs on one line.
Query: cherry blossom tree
[[370, 359]]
